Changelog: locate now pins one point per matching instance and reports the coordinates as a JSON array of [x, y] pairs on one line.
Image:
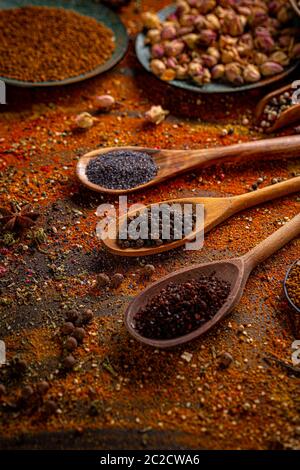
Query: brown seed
[[103, 280], [225, 360], [26, 392], [69, 362], [67, 328], [117, 280], [148, 270], [42, 387], [49, 407], [87, 315], [72, 316], [79, 334], [71, 343]]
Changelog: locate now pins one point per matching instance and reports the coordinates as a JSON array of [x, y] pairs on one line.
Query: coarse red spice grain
[[40, 44]]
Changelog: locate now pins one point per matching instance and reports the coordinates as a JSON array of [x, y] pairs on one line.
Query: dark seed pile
[[156, 234], [293, 284], [121, 169], [274, 108], [39, 44], [181, 308]]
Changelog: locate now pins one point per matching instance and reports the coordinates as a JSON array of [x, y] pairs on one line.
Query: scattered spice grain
[[293, 284]]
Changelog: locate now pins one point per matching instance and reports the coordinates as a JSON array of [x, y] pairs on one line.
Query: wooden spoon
[[235, 271], [174, 162], [295, 6], [286, 118], [297, 309], [216, 210]]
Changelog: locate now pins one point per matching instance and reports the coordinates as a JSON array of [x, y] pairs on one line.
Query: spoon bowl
[[230, 271], [235, 271], [171, 163], [216, 211]]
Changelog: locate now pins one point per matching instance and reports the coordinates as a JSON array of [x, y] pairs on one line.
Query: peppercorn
[[87, 315], [72, 316], [69, 362], [42, 387], [79, 334], [67, 328], [117, 280], [49, 407], [26, 393], [71, 343]]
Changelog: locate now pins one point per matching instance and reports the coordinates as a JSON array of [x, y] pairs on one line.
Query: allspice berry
[[67, 328], [26, 392], [79, 334], [71, 343], [87, 315], [42, 387], [72, 316], [103, 280], [117, 280], [148, 270], [69, 362]]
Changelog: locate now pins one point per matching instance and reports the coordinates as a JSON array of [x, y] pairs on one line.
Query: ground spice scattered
[[181, 308], [121, 169], [293, 284], [40, 44]]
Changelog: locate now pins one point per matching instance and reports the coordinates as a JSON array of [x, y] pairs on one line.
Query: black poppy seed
[[121, 169]]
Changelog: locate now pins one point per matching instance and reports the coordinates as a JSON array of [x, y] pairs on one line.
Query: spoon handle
[[279, 147], [273, 243], [266, 194]]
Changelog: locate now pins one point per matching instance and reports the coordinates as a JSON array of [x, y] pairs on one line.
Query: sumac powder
[[121, 169], [40, 44], [179, 309]]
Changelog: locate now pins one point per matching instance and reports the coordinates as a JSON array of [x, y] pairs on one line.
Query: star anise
[[18, 219]]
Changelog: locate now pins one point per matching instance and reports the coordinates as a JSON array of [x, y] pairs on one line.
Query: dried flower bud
[[157, 51], [191, 40], [168, 75], [183, 59], [174, 48], [185, 30], [207, 37], [264, 42], [157, 66], [233, 73], [171, 63], [284, 15], [296, 51], [280, 57], [251, 74], [153, 36], [195, 68], [213, 51], [181, 72], [205, 6], [182, 9], [213, 22], [200, 22], [226, 41], [150, 20], [260, 58], [208, 60], [104, 102], [156, 114], [230, 55], [187, 20], [233, 24], [270, 68], [218, 72], [84, 120], [168, 32], [285, 40]]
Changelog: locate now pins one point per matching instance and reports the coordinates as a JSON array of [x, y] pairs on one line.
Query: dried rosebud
[[251, 74], [181, 72], [182, 8], [226, 41], [229, 55], [190, 40], [260, 58], [195, 68], [220, 12], [104, 102], [200, 22], [84, 120], [187, 20], [213, 51], [284, 15], [157, 51], [257, 17], [150, 20], [185, 30], [168, 32], [207, 37], [208, 60], [264, 40], [203, 77], [233, 24], [171, 63], [280, 57], [212, 22], [218, 72], [285, 40], [296, 51], [270, 68], [153, 36], [233, 73], [204, 6], [174, 48], [157, 67], [183, 59], [156, 114]]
